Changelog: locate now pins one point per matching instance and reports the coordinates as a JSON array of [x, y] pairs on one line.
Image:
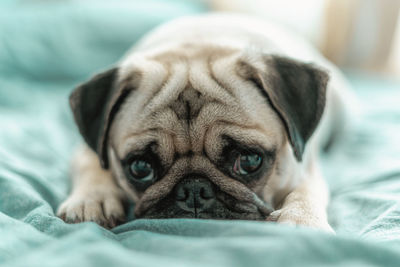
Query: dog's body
[[191, 103]]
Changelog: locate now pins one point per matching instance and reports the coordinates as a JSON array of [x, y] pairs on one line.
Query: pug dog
[[212, 116]]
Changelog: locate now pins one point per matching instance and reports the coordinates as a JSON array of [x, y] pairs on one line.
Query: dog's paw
[[297, 216], [105, 208]]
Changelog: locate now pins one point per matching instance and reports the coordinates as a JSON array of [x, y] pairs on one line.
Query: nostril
[[182, 194], [206, 193]]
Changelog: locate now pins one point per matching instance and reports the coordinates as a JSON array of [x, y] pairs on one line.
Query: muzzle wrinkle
[[246, 202]]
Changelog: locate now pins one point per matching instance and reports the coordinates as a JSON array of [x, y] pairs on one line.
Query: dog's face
[[201, 132]]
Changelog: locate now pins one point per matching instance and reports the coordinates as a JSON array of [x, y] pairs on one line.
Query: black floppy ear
[[297, 92], [94, 103]]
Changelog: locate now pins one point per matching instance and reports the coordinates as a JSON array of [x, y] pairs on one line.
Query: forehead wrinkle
[[213, 77], [222, 72], [139, 141], [135, 142], [154, 75], [146, 88], [164, 118], [145, 67], [200, 79], [170, 90], [250, 135], [161, 120], [213, 113], [191, 50], [170, 123]]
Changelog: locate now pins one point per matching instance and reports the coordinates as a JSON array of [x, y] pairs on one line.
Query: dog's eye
[[142, 170], [247, 163]]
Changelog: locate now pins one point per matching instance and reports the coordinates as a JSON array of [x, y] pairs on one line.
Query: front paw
[[297, 216], [105, 208]]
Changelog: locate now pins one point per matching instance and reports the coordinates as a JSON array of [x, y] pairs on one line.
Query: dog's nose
[[195, 195]]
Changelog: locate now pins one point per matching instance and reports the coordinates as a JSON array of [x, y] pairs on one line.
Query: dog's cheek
[[286, 175]]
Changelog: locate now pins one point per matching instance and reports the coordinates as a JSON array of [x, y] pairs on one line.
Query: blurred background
[[354, 34], [357, 35]]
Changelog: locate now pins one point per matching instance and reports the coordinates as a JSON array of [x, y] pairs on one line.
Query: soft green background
[[45, 49]]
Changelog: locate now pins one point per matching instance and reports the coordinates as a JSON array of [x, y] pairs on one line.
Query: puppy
[[212, 116]]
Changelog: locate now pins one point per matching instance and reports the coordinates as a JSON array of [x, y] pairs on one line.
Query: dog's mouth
[[198, 198]]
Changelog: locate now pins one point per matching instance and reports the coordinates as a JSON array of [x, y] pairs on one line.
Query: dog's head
[[202, 132]]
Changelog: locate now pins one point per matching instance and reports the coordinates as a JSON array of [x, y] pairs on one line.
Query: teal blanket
[[45, 49]]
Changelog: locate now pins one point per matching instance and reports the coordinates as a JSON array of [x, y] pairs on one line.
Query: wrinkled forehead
[[187, 104]]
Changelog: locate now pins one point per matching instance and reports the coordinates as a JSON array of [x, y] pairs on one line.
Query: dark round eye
[[247, 164], [142, 170]]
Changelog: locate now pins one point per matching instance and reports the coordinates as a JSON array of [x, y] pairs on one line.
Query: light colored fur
[[199, 55], [95, 196]]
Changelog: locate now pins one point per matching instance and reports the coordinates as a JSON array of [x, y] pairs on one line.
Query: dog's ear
[[296, 91], [94, 104]]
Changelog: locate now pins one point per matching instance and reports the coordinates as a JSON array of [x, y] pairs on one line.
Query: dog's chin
[[224, 207]]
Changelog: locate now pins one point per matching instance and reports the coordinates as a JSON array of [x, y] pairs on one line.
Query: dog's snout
[[195, 195]]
